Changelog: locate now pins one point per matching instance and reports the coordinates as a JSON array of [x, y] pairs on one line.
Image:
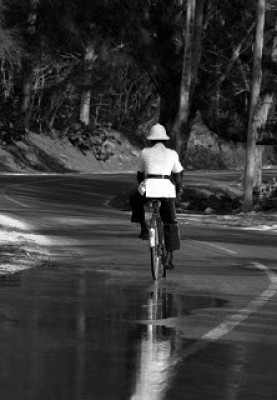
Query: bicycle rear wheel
[[156, 249]]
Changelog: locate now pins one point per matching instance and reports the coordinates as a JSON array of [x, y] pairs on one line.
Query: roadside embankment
[[213, 205]]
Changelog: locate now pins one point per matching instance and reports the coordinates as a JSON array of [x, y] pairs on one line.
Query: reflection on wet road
[[76, 337], [157, 353], [92, 325]]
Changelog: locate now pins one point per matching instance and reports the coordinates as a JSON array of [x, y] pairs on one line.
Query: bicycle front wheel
[[156, 250]]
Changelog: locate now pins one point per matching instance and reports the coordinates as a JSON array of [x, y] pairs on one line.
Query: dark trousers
[[168, 216]]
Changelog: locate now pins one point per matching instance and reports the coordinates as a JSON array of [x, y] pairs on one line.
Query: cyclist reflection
[[158, 349]]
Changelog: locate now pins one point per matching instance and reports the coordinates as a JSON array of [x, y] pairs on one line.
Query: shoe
[[169, 267], [168, 264], [144, 235]]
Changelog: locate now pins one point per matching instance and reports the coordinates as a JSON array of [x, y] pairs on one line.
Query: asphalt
[[94, 325], [20, 249]]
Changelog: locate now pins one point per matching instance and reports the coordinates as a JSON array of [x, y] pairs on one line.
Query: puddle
[[162, 304], [78, 339]]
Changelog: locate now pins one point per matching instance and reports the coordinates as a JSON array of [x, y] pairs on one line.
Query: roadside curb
[[245, 221], [35, 173]]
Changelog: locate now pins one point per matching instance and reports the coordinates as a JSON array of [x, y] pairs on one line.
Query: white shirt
[[158, 160]]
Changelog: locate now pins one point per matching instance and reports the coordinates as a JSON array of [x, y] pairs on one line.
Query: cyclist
[[159, 175]]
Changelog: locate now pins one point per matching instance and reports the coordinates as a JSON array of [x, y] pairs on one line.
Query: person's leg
[[137, 202], [171, 230]]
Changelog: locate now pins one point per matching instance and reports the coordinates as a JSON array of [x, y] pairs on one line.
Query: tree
[[164, 38], [11, 52], [28, 64], [226, 72], [24, 14], [88, 62], [190, 65], [266, 106], [252, 121], [197, 54]]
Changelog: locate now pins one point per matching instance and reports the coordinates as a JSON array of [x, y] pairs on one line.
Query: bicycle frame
[[156, 240], [155, 211]]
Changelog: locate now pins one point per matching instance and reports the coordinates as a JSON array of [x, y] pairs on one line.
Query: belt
[[158, 176]]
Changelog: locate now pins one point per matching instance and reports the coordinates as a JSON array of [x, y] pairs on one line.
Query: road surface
[[92, 325]]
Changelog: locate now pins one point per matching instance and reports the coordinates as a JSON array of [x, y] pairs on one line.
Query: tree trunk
[[181, 120], [259, 166], [169, 101], [28, 67], [262, 116], [27, 89], [85, 107], [197, 42], [267, 104], [89, 59], [252, 120]]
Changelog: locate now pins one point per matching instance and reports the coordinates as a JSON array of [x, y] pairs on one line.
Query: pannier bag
[[172, 237]]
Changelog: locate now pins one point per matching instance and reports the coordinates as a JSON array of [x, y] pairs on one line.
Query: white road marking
[[7, 197], [217, 247], [230, 323], [79, 185], [30, 190]]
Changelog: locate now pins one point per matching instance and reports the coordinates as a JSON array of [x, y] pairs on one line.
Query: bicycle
[[156, 240]]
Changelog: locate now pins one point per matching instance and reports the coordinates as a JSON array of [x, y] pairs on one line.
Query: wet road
[[93, 325]]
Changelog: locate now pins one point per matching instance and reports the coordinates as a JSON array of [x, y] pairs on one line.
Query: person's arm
[[140, 168], [140, 176], [177, 180], [177, 173]]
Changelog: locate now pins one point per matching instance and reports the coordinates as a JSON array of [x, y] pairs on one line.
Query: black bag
[[172, 237]]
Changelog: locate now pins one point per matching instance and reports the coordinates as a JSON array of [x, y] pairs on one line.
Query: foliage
[[119, 88], [152, 34], [11, 129], [138, 49], [91, 138], [225, 74]]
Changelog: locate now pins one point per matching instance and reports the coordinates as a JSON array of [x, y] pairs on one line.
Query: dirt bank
[[39, 153]]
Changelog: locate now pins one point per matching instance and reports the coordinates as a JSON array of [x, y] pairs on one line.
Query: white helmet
[[157, 132]]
